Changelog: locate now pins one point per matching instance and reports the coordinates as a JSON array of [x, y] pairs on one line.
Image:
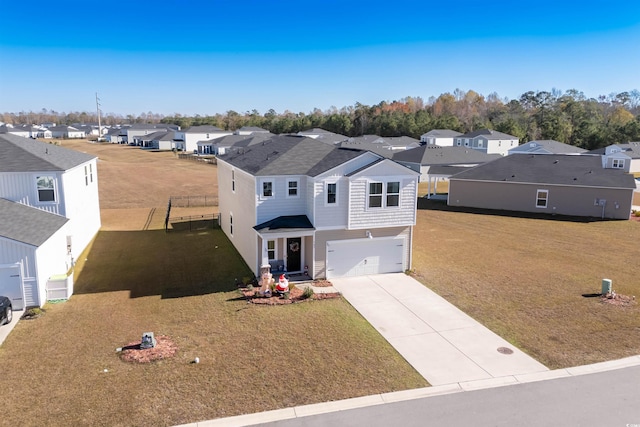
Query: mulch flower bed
[[165, 348], [296, 295], [618, 299]]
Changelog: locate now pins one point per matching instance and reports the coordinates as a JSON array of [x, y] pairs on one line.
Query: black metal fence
[[192, 222], [193, 201]]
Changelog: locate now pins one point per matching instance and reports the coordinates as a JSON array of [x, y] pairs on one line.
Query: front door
[[294, 249]]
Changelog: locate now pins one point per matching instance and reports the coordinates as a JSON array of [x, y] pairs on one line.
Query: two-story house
[[49, 213], [194, 134], [488, 141], [305, 206], [440, 137]]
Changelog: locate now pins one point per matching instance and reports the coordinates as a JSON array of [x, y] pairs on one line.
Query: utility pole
[[99, 123]]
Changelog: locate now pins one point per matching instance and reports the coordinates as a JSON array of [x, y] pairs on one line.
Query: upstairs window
[[542, 198], [233, 181], [393, 194], [292, 188], [46, 189], [375, 194], [332, 193], [231, 224], [88, 174], [618, 163], [267, 189]]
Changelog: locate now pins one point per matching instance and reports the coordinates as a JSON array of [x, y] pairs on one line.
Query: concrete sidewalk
[[445, 345]]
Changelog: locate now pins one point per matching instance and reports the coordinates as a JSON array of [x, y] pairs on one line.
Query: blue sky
[[206, 57]]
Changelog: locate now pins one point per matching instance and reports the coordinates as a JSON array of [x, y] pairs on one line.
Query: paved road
[[602, 399]]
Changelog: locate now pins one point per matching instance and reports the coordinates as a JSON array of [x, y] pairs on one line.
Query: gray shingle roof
[[549, 146], [18, 154], [443, 133], [438, 155], [289, 222], [289, 155], [489, 134], [203, 129], [28, 225], [550, 169]]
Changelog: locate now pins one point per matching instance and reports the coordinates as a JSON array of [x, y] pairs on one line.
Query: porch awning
[[286, 223]]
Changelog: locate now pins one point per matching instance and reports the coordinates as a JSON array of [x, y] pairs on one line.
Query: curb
[[399, 396]]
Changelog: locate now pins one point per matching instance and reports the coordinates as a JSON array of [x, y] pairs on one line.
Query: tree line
[[568, 117]]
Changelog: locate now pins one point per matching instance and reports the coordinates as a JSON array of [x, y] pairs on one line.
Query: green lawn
[[253, 358]]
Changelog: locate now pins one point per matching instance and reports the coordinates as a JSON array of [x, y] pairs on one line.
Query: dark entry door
[[294, 249]]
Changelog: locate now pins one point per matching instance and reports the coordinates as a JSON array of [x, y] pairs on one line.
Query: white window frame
[[387, 194], [617, 163], [297, 188], [376, 195], [542, 195], [275, 249], [480, 142], [231, 224], [54, 189], [326, 190], [262, 184], [233, 181]]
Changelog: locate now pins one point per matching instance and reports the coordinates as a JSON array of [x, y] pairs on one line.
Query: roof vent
[[555, 162]]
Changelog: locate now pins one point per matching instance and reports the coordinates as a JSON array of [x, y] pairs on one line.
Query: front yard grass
[[182, 285], [524, 278]]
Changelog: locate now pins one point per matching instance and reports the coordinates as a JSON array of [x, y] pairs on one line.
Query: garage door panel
[[362, 257]]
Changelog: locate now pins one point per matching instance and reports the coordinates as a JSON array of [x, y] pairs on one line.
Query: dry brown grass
[[525, 278], [136, 278]]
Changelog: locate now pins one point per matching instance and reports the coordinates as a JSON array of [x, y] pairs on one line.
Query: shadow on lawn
[[441, 205], [171, 265]]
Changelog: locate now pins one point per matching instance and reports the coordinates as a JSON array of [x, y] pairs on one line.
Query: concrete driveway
[[6, 329], [441, 342]]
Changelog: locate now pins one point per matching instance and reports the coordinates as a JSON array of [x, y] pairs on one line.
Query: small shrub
[[636, 213], [308, 293], [33, 313], [250, 287], [286, 295]]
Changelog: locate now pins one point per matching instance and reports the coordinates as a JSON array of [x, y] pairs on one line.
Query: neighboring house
[[547, 146], [161, 140], [200, 133], [116, 136], [621, 156], [222, 145], [384, 146], [50, 194], [488, 141], [68, 132], [250, 130], [435, 162], [136, 132], [317, 208], [546, 183], [5, 129], [323, 136], [441, 137]]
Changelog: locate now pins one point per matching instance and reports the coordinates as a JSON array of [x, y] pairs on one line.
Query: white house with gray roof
[[441, 137], [194, 134], [317, 209], [554, 184], [50, 213], [488, 141]]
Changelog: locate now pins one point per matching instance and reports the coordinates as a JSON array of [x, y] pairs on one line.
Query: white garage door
[[364, 256]]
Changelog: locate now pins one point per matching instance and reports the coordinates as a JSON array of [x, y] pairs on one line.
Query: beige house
[[582, 185]]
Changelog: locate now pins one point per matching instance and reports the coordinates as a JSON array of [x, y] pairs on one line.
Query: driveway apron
[[441, 342]]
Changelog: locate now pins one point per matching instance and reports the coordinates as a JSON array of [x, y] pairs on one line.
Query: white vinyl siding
[[361, 216], [268, 208]]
